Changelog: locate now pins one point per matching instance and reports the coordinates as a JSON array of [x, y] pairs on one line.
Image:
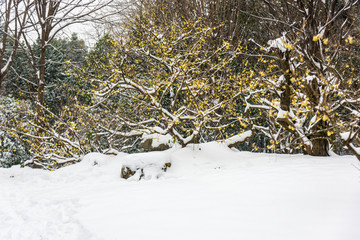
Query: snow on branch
[[238, 139]]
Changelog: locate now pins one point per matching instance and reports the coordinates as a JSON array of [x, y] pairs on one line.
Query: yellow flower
[[350, 40], [326, 41], [289, 46], [316, 38]]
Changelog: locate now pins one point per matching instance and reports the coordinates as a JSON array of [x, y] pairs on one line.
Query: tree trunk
[[320, 147], [45, 31], [285, 98], [1, 75], [41, 84]]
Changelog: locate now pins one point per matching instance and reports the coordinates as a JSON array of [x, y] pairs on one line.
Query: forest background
[[266, 76]]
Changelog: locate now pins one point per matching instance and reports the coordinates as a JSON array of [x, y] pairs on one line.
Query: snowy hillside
[[210, 192]]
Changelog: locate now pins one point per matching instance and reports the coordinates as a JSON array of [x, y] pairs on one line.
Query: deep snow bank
[[210, 192]]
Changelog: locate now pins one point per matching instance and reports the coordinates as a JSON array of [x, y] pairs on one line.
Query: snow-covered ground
[[210, 192]]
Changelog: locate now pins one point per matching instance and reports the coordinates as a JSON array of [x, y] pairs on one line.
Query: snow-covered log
[[238, 139]]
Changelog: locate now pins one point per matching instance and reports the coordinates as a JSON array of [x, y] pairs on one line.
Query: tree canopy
[[276, 76]]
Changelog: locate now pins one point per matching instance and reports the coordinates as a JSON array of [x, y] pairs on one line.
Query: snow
[[356, 149], [210, 192], [278, 43], [237, 138], [309, 79], [355, 113], [159, 139], [2, 71], [345, 136], [282, 114], [149, 164]]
